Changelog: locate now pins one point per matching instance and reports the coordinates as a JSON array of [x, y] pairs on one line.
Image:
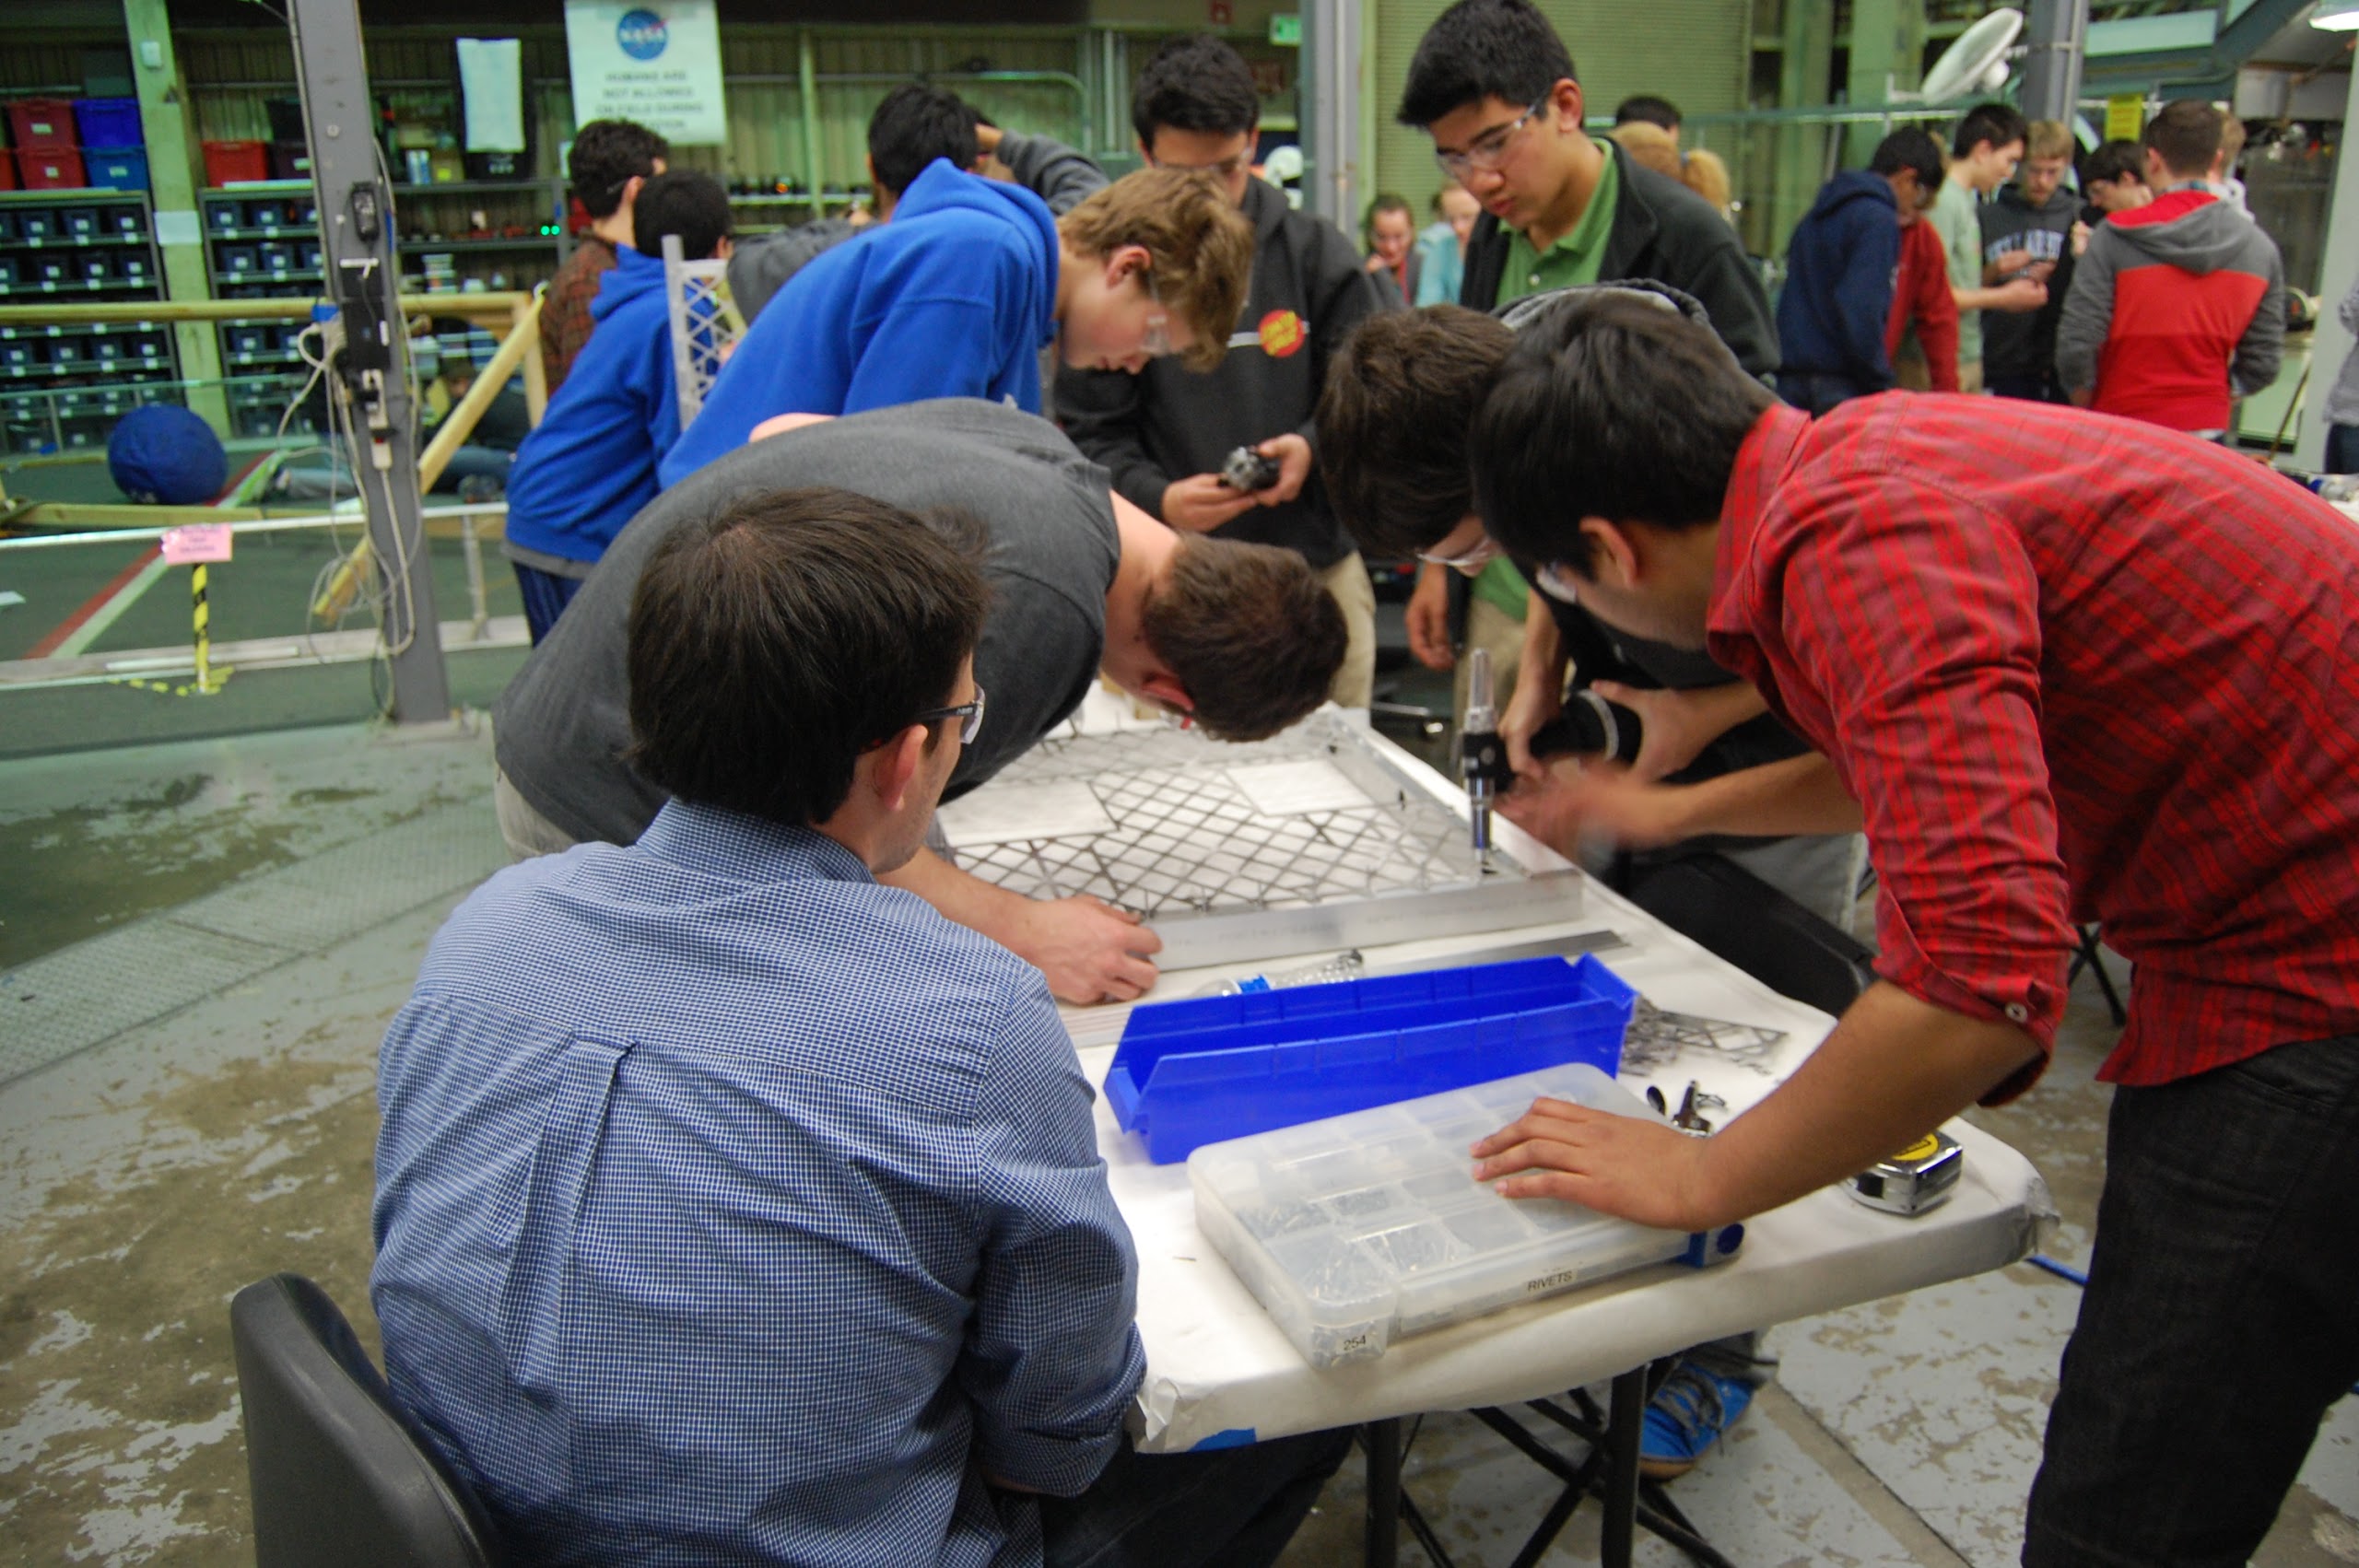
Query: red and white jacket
[[2177, 309]]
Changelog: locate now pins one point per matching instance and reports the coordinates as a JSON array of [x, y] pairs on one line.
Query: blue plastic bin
[[108, 122], [115, 169], [1193, 1072]]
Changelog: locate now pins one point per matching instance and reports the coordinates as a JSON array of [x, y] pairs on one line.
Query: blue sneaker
[[1689, 1413]]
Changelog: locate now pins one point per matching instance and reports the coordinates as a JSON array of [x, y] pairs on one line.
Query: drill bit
[[1482, 755]]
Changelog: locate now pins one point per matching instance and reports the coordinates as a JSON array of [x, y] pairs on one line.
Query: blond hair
[[2047, 138], [1649, 146], [1201, 245], [1707, 176]]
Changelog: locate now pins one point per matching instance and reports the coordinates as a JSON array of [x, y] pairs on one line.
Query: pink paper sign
[[196, 542]]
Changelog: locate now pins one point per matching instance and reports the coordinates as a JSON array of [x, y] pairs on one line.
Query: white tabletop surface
[[1216, 1364]]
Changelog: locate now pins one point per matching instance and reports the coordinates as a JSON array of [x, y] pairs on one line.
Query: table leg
[[1622, 1430], [1382, 1442]]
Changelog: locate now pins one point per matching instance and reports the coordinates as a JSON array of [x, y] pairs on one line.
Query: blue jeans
[[546, 597], [2343, 448], [1234, 1507], [2221, 1320]]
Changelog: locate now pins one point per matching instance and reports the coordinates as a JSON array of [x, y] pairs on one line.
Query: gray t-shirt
[[565, 719]]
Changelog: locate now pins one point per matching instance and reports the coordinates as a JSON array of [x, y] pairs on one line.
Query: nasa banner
[[657, 62]]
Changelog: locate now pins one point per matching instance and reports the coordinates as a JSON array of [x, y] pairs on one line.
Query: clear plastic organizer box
[[1363, 1229]]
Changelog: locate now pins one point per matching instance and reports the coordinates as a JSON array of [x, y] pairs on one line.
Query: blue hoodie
[[955, 298], [1839, 271], [590, 465]]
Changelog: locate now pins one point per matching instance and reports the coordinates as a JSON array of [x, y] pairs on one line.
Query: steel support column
[[1806, 75], [1887, 55], [364, 279], [1332, 43], [2057, 34], [2331, 342], [165, 122]]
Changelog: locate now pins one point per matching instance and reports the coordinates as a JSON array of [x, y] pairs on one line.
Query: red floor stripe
[[96, 603]]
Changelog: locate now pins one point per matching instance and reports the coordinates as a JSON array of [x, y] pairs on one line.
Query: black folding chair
[[337, 1473]]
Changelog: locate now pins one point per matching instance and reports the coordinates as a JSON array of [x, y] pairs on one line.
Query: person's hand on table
[[1562, 804], [1616, 1165], [1201, 503], [1292, 454], [1090, 951], [1427, 618]]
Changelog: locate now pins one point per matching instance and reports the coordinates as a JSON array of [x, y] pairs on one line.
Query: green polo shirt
[[1573, 259]]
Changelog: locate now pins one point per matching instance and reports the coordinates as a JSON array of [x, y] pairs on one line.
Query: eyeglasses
[[970, 715], [1485, 151], [1556, 582], [1481, 552], [1226, 167]]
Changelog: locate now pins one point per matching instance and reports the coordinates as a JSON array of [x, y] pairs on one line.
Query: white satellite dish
[[1976, 62]]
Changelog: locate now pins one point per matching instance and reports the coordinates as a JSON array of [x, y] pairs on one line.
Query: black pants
[[1234, 1507], [1815, 391], [2038, 387], [2221, 1315]]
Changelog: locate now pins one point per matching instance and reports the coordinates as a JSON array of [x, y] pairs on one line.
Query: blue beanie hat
[[162, 452]]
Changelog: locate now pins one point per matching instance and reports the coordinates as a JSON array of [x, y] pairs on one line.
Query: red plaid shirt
[[2074, 670]]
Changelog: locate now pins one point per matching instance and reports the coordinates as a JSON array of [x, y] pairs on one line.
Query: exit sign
[[1286, 27]]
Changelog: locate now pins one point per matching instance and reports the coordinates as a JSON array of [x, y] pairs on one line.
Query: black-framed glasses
[[1485, 151], [968, 714]]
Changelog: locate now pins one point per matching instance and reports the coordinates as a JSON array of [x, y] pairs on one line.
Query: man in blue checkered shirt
[[733, 1207]]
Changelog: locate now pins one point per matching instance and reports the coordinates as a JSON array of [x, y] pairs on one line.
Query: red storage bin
[[228, 162], [50, 169], [41, 122], [7, 172]]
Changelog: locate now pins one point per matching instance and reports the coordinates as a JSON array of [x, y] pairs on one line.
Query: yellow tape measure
[[1920, 1177]]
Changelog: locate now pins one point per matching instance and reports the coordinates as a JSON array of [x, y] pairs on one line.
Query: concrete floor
[[203, 940]]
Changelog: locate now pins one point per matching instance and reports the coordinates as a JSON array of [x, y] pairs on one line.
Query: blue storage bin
[[108, 122], [1197, 1072], [115, 169]]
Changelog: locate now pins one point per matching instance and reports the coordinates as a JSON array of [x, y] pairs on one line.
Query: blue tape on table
[[1207, 1069]]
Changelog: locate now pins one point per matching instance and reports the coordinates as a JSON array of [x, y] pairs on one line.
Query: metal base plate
[[1313, 840]]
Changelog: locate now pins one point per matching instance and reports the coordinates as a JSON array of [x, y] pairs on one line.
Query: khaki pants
[[1910, 373], [1355, 684], [526, 831]]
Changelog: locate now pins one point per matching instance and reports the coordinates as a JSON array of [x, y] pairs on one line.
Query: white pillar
[[2329, 343]]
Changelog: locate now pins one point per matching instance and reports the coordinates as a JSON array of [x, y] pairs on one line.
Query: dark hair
[[607, 155], [1996, 123], [1196, 83], [2114, 161], [1648, 109], [2186, 136], [774, 641], [686, 201], [917, 123], [1479, 48], [1912, 146], [1610, 407], [1401, 390], [1250, 630], [1387, 203]]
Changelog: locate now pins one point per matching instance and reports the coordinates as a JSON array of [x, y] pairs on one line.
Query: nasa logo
[[640, 33], [1282, 334]]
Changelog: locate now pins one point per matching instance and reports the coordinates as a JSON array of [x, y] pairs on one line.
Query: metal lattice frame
[[1188, 840], [705, 323]]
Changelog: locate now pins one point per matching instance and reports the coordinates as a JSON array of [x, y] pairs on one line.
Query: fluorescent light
[[2337, 16]]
